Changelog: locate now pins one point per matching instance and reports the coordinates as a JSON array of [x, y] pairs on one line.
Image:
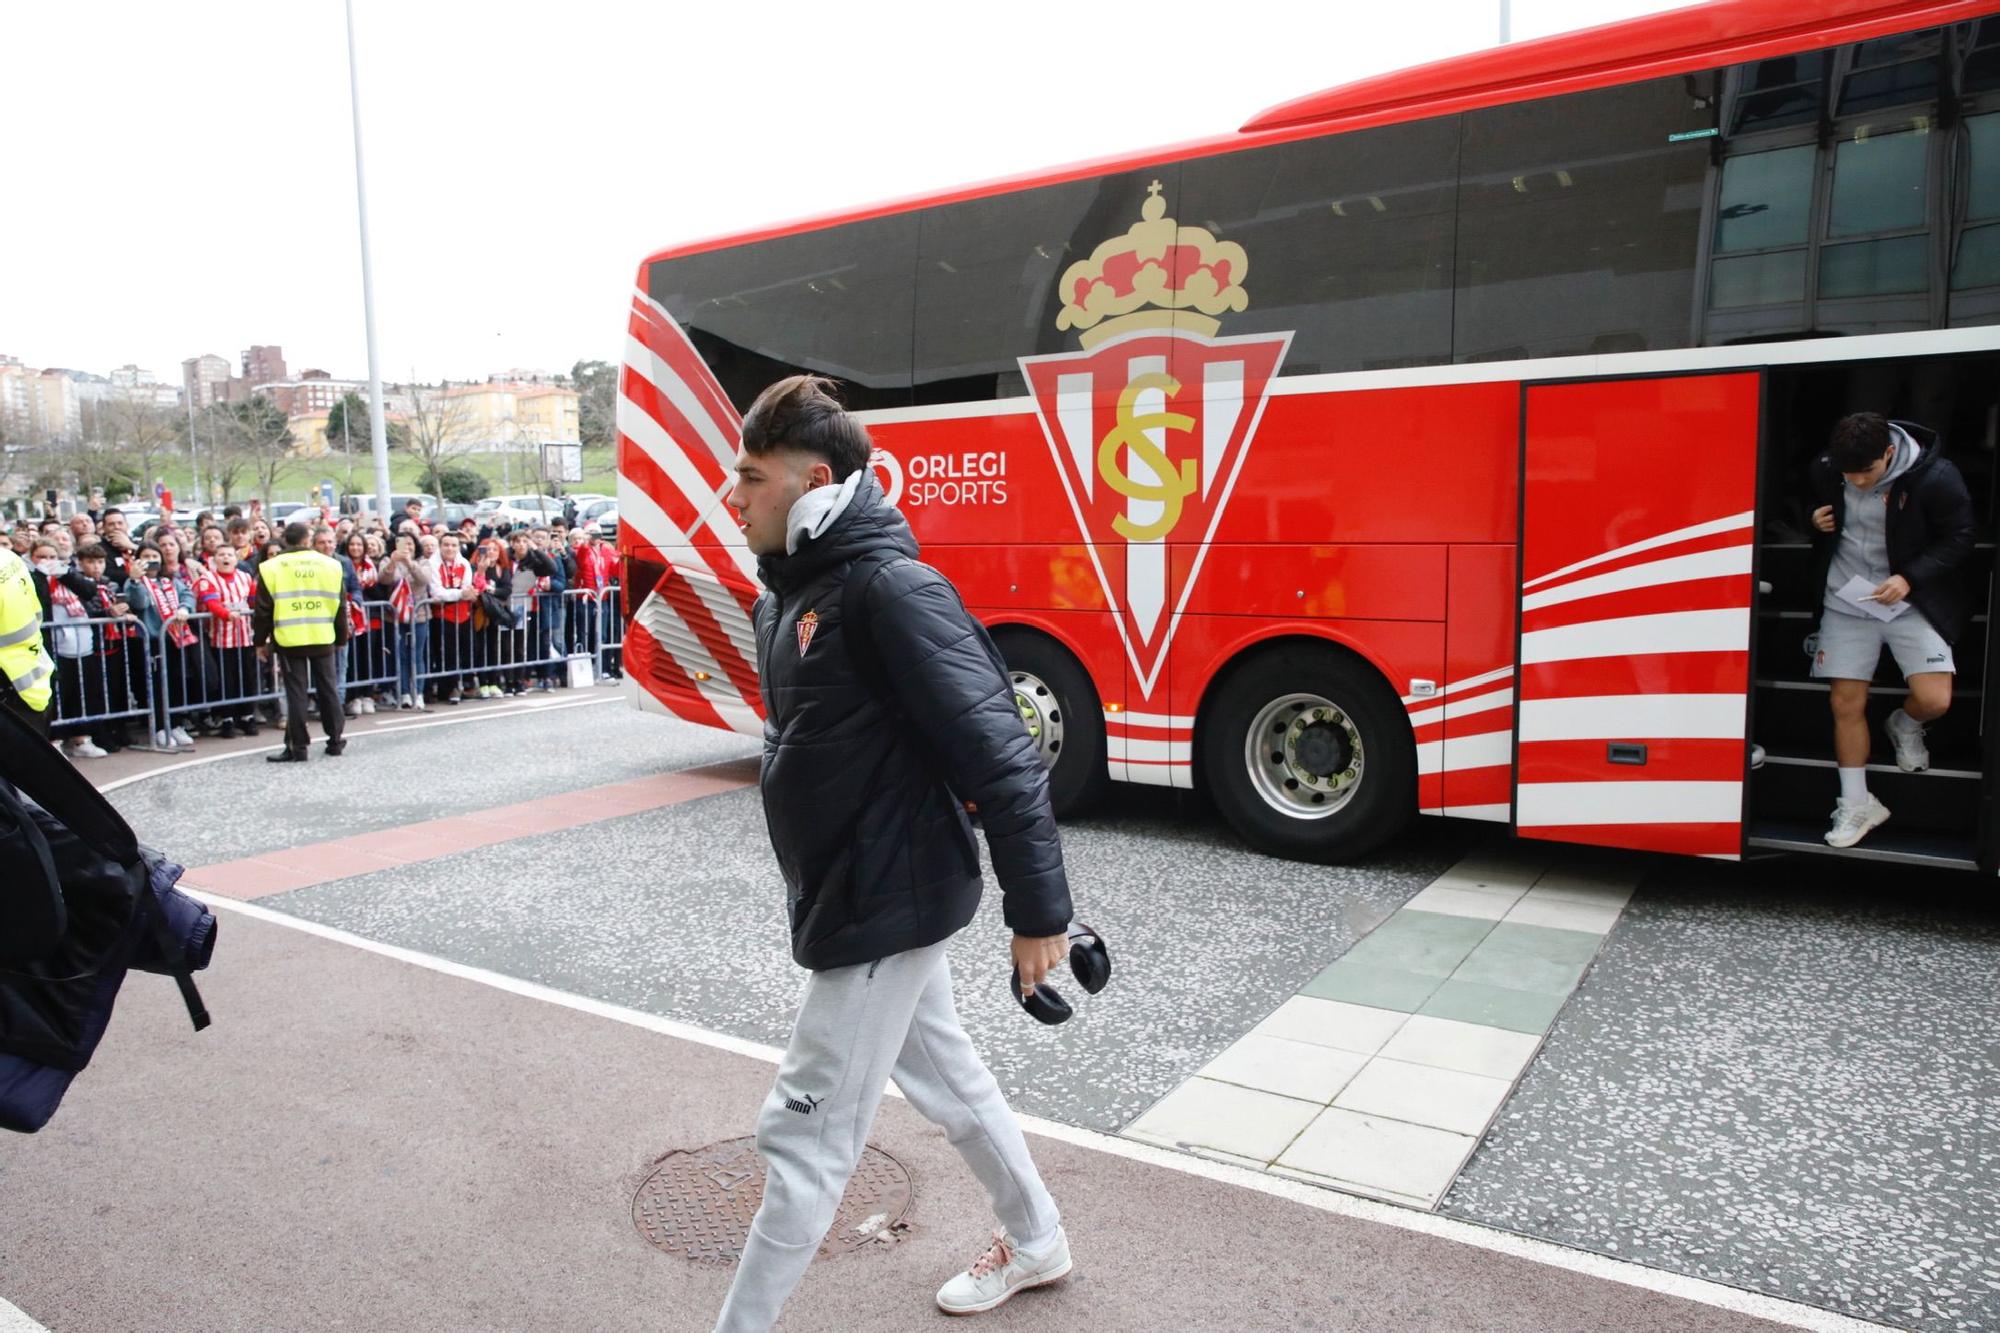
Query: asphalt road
[[1771, 1080]]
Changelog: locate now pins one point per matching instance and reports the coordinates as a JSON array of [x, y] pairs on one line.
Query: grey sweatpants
[[857, 1028]]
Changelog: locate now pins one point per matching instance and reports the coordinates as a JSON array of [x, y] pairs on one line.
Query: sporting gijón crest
[[808, 626], [1151, 422]]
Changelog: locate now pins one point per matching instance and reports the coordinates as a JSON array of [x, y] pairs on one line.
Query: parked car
[[511, 509], [594, 510]]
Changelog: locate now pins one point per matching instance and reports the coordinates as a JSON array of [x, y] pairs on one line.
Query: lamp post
[[377, 418]]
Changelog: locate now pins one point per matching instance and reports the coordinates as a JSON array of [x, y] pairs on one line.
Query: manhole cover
[[698, 1203]]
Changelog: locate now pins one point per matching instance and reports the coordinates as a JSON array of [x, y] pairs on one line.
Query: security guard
[[298, 609], [26, 670]]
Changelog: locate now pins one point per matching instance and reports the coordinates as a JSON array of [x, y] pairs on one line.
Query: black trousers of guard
[[325, 687]]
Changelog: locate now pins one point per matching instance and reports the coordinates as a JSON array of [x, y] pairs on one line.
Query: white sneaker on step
[[1000, 1272], [1907, 735], [182, 739], [1852, 821], [86, 749]]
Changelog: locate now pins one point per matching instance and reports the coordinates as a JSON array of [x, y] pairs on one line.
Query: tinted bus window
[[1579, 221], [1977, 263], [1349, 240], [835, 302], [989, 271]]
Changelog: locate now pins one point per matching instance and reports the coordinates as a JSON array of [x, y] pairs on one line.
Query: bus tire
[[1306, 751], [1060, 707]]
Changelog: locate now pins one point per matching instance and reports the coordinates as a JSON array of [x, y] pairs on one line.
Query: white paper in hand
[[1855, 592]]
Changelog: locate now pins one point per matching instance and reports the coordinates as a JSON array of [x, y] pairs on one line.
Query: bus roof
[[1677, 41]]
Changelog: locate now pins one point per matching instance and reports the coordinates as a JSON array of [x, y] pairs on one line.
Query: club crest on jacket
[[808, 626]]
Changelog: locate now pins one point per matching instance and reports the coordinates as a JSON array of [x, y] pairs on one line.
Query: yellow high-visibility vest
[[23, 657], [305, 597]]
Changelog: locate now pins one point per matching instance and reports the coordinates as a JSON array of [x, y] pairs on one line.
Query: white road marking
[[1543, 1252], [398, 729], [13, 1320]]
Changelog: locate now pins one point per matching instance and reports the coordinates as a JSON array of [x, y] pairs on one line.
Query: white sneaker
[[407, 702], [1000, 1272], [1907, 735], [84, 749], [164, 740], [182, 739], [353, 708], [1852, 821]]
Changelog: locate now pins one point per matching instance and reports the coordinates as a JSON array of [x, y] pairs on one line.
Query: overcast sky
[[182, 175]]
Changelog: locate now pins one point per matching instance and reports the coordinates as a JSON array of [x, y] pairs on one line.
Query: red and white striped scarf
[[67, 600], [114, 631], [454, 574], [402, 602], [166, 601], [230, 628]]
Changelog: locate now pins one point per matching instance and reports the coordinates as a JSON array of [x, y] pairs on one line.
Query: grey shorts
[[1850, 647]]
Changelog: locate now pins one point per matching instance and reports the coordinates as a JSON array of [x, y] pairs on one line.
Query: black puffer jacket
[[1930, 530], [862, 780]]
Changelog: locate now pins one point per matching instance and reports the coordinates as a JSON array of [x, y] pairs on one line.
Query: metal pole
[[1506, 22], [194, 458], [378, 419]]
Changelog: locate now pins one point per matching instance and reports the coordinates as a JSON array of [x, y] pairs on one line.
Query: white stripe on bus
[[1456, 708], [1555, 804], [1724, 631], [653, 368], [1634, 717], [1714, 564], [661, 447], [1461, 686], [1488, 749], [1712, 526], [1138, 751]]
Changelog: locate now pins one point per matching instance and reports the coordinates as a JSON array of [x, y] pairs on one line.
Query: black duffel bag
[[82, 903]]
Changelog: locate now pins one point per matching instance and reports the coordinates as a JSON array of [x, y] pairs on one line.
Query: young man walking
[[874, 734], [1895, 520]]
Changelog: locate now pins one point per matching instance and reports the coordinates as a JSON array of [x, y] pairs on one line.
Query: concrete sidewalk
[[359, 1141]]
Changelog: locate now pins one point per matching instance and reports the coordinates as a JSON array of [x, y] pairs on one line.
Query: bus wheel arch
[[1306, 750], [1061, 708]]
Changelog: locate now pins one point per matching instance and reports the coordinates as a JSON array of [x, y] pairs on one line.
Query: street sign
[[562, 462]]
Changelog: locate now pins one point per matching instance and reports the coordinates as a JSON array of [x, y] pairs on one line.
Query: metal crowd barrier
[[102, 683]]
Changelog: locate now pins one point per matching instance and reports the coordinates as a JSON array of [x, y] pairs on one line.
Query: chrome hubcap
[[1041, 714], [1304, 756]]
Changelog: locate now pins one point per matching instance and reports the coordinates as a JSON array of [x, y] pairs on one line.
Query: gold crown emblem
[[1157, 268]]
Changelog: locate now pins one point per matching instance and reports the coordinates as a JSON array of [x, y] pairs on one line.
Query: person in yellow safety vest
[[26, 669], [298, 611]]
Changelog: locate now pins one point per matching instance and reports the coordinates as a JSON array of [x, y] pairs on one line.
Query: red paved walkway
[[363, 853]]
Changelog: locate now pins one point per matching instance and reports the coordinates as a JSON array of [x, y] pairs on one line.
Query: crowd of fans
[[434, 615]]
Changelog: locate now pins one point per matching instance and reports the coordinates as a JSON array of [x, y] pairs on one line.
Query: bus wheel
[[1061, 711], [1308, 755]]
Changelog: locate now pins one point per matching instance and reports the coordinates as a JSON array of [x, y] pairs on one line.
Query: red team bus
[[1435, 444]]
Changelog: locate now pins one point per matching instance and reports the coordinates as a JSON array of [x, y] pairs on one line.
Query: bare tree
[[91, 456], [437, 427], [227, 457], [258, 432], [143, 431]]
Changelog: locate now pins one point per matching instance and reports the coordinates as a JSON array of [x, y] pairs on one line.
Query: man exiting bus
[[1896, 522], [875, 733]]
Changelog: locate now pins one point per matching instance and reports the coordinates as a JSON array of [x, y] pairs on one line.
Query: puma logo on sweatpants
[[803, 1107]]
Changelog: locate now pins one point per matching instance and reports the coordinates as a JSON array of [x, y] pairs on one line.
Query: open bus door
[[1638, 503]]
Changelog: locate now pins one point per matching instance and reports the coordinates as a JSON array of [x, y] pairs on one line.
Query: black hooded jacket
[[862, 780], [1930, 530]]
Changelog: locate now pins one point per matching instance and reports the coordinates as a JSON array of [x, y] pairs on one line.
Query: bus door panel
[[1637, 516], [1469, 722]]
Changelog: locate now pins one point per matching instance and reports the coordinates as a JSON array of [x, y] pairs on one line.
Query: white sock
[[1854, 785]]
